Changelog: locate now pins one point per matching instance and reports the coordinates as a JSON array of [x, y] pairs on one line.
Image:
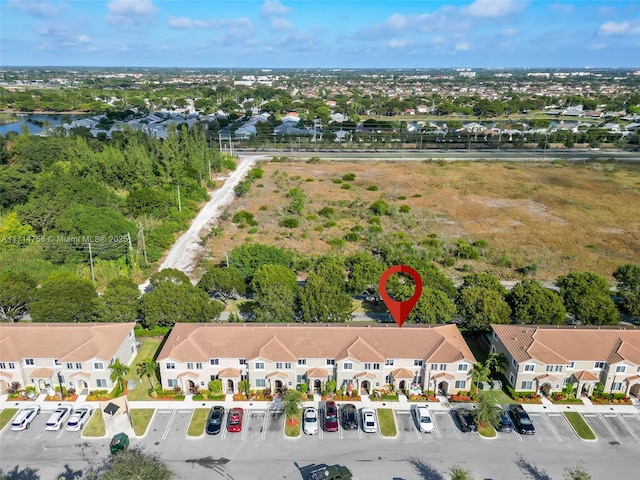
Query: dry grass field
[[560, 217]]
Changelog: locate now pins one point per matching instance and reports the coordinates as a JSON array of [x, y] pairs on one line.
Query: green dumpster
[[120, 441]]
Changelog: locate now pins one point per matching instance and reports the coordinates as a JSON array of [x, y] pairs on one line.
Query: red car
[[330, 417], [235, 420]]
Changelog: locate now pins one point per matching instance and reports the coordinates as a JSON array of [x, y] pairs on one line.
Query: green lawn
[[580, 426], [6, 415], [387, 422], [140, 418], [148, 349], [487, 430], [292, 427], [497, 396], [95, 426], [198, 421]]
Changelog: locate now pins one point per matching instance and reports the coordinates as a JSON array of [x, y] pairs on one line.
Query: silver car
[[23, 419], [369, 423], [58, 417], [79, 418], [310, 421]]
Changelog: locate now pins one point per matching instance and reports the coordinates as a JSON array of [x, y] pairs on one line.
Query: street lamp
[[429, 384], [60, 383], [611, 389]]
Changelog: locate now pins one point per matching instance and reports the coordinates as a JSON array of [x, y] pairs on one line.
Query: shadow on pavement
[[425, 470], [530, 470]]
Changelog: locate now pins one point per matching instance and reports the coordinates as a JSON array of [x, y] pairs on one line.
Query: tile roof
[[201, 341], [366, 375], [585, 376], [561, 344], [42, 373], [317, 373], [68, 342], [402, 373], [229, 372]]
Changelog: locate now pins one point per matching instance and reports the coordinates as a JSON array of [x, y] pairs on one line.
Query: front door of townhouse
[[365, 386], [317, 386], [230, 386]]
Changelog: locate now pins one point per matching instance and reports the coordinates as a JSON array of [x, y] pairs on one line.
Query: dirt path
[[184, 252]]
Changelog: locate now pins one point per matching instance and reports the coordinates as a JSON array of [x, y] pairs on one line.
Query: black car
[[521, 420], [466, 422], [504, 423], [214, 422], [349, 417]]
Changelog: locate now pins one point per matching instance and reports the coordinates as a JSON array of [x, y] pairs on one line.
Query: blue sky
[[320, 33]]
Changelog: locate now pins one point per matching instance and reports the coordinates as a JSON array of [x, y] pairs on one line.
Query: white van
[[23, 419]]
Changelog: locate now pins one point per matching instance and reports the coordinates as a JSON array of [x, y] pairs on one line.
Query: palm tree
[[292, 401], [496, 362], [118, 372], [576, 473], [148, 368], [459, 473], [486, 411], [479, 373]]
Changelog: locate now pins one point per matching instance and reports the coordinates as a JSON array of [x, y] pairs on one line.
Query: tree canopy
[[531, 303], [16, 293], [587, 297], [628, 277], [480, 307], [64, 297]]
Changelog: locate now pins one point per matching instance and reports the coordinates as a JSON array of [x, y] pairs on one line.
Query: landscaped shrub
[[252, 230], [289, 222], [255, 173]]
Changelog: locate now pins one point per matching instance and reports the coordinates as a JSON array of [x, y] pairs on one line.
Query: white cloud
[[273, 7], [38, 8], [280, 23], [180, 22], [462, 46], [185, 23], [509, 32], [396, 21], [598, 46], [494, 8], [395, 43], [125, 13], [620, 28], [83, 39]]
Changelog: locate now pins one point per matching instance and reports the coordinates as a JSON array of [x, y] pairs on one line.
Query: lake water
[[31, 121]]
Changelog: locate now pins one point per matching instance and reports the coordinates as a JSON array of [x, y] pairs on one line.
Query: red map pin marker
[[400, 310]]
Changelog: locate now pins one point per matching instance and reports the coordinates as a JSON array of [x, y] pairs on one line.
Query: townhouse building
[[281, 356], [546, 358], [76, 355]]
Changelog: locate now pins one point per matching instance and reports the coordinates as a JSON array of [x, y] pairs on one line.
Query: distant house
[[76, 354]]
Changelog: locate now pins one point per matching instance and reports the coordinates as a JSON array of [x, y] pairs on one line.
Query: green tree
[[148, 368], [16, 293], [479, 308], [459, 473], [132, 464], [120, 301], [531, 303], [434, 306], [487, 411], [496, 363], [223, 282], [576, 473], [248, 257], [483, 280], [322, 300], [215, 387], [480, 373], [244, 386], [364, 273], [118, 372], [292, 401], [12, 228], [587, 297], [64, 297], [628, 277]]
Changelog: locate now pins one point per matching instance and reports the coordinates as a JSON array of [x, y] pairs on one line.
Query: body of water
[[38, 122]]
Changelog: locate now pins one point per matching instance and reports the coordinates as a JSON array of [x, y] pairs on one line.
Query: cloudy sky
[[320, 33]]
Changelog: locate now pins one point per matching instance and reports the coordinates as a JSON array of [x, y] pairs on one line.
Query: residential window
[[259, 365], [376, 366], [511, 378], [330, 361], [170, 366], [443, 366], [617, 386], [367, 366], [302, 361], [621, 368], [417, 379], [599, 365], [101, 383], [299, 378], [461, 384], [3, 366], [131, 334], [12, 366], [463, 367], [387, 379], [278, 365], [98, 366], [261, 382], [526, 385], [571, 365], [434, 366], [78, 366], [69, 366], [417, 363], [57, 362], [213, 377], [495, 335], [133, 348], [287, 365], [29, 361], [638, 368], [549, 368], [514, 363], [566, 381], [189, 366], [214, 361], [389, 362], [347, 366], [493, 348], [242, 361], [172, 382], [558, 368], [529, 367], [198, 365]]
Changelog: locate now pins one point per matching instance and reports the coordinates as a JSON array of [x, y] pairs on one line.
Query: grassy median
[[95, 426], [198, 421], [387, 422], [140, 418], [580, 426], [292, 425], [6, 415], [486, 430]]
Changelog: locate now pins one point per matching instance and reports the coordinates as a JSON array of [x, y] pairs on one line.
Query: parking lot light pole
[[60, 383]]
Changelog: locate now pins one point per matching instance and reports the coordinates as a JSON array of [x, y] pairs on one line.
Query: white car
[[424, 420], [79, 418], [58, 417], [310, 421], [25, 417], [369, 423]]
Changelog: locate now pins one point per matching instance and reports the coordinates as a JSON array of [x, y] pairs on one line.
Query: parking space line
[[246, 417], [553, 429], [264, 426], [455, 427], [40, 434], [538, 436], [622, 417], [435, 425], [608, 427], [340, 434], [165, 434], [60, 433]]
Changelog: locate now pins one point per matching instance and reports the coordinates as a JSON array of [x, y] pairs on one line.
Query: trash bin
[[119, 442]]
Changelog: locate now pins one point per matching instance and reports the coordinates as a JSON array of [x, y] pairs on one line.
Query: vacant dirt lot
[[558, 217]]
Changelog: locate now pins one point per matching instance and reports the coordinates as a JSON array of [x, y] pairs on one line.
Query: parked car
[[310, 421], [23, 419], [214, 422], [235, 419], [466, 422], [330, 417], [349, 417], [79, 418], [521, 420], [369, 423], [58, 417], [423, 419], [504, 422]]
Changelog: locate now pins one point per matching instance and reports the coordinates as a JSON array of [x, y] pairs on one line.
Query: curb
[[576, 433]]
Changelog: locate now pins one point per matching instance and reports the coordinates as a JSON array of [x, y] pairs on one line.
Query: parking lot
[[37, 432]]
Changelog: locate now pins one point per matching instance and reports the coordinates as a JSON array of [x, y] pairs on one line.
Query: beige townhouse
[[281, 356], [545, 358], [76, 355]]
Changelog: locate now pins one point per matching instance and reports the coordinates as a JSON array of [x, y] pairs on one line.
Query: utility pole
[[93, 278], [179, 201], [226, 256], [144, 246]]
